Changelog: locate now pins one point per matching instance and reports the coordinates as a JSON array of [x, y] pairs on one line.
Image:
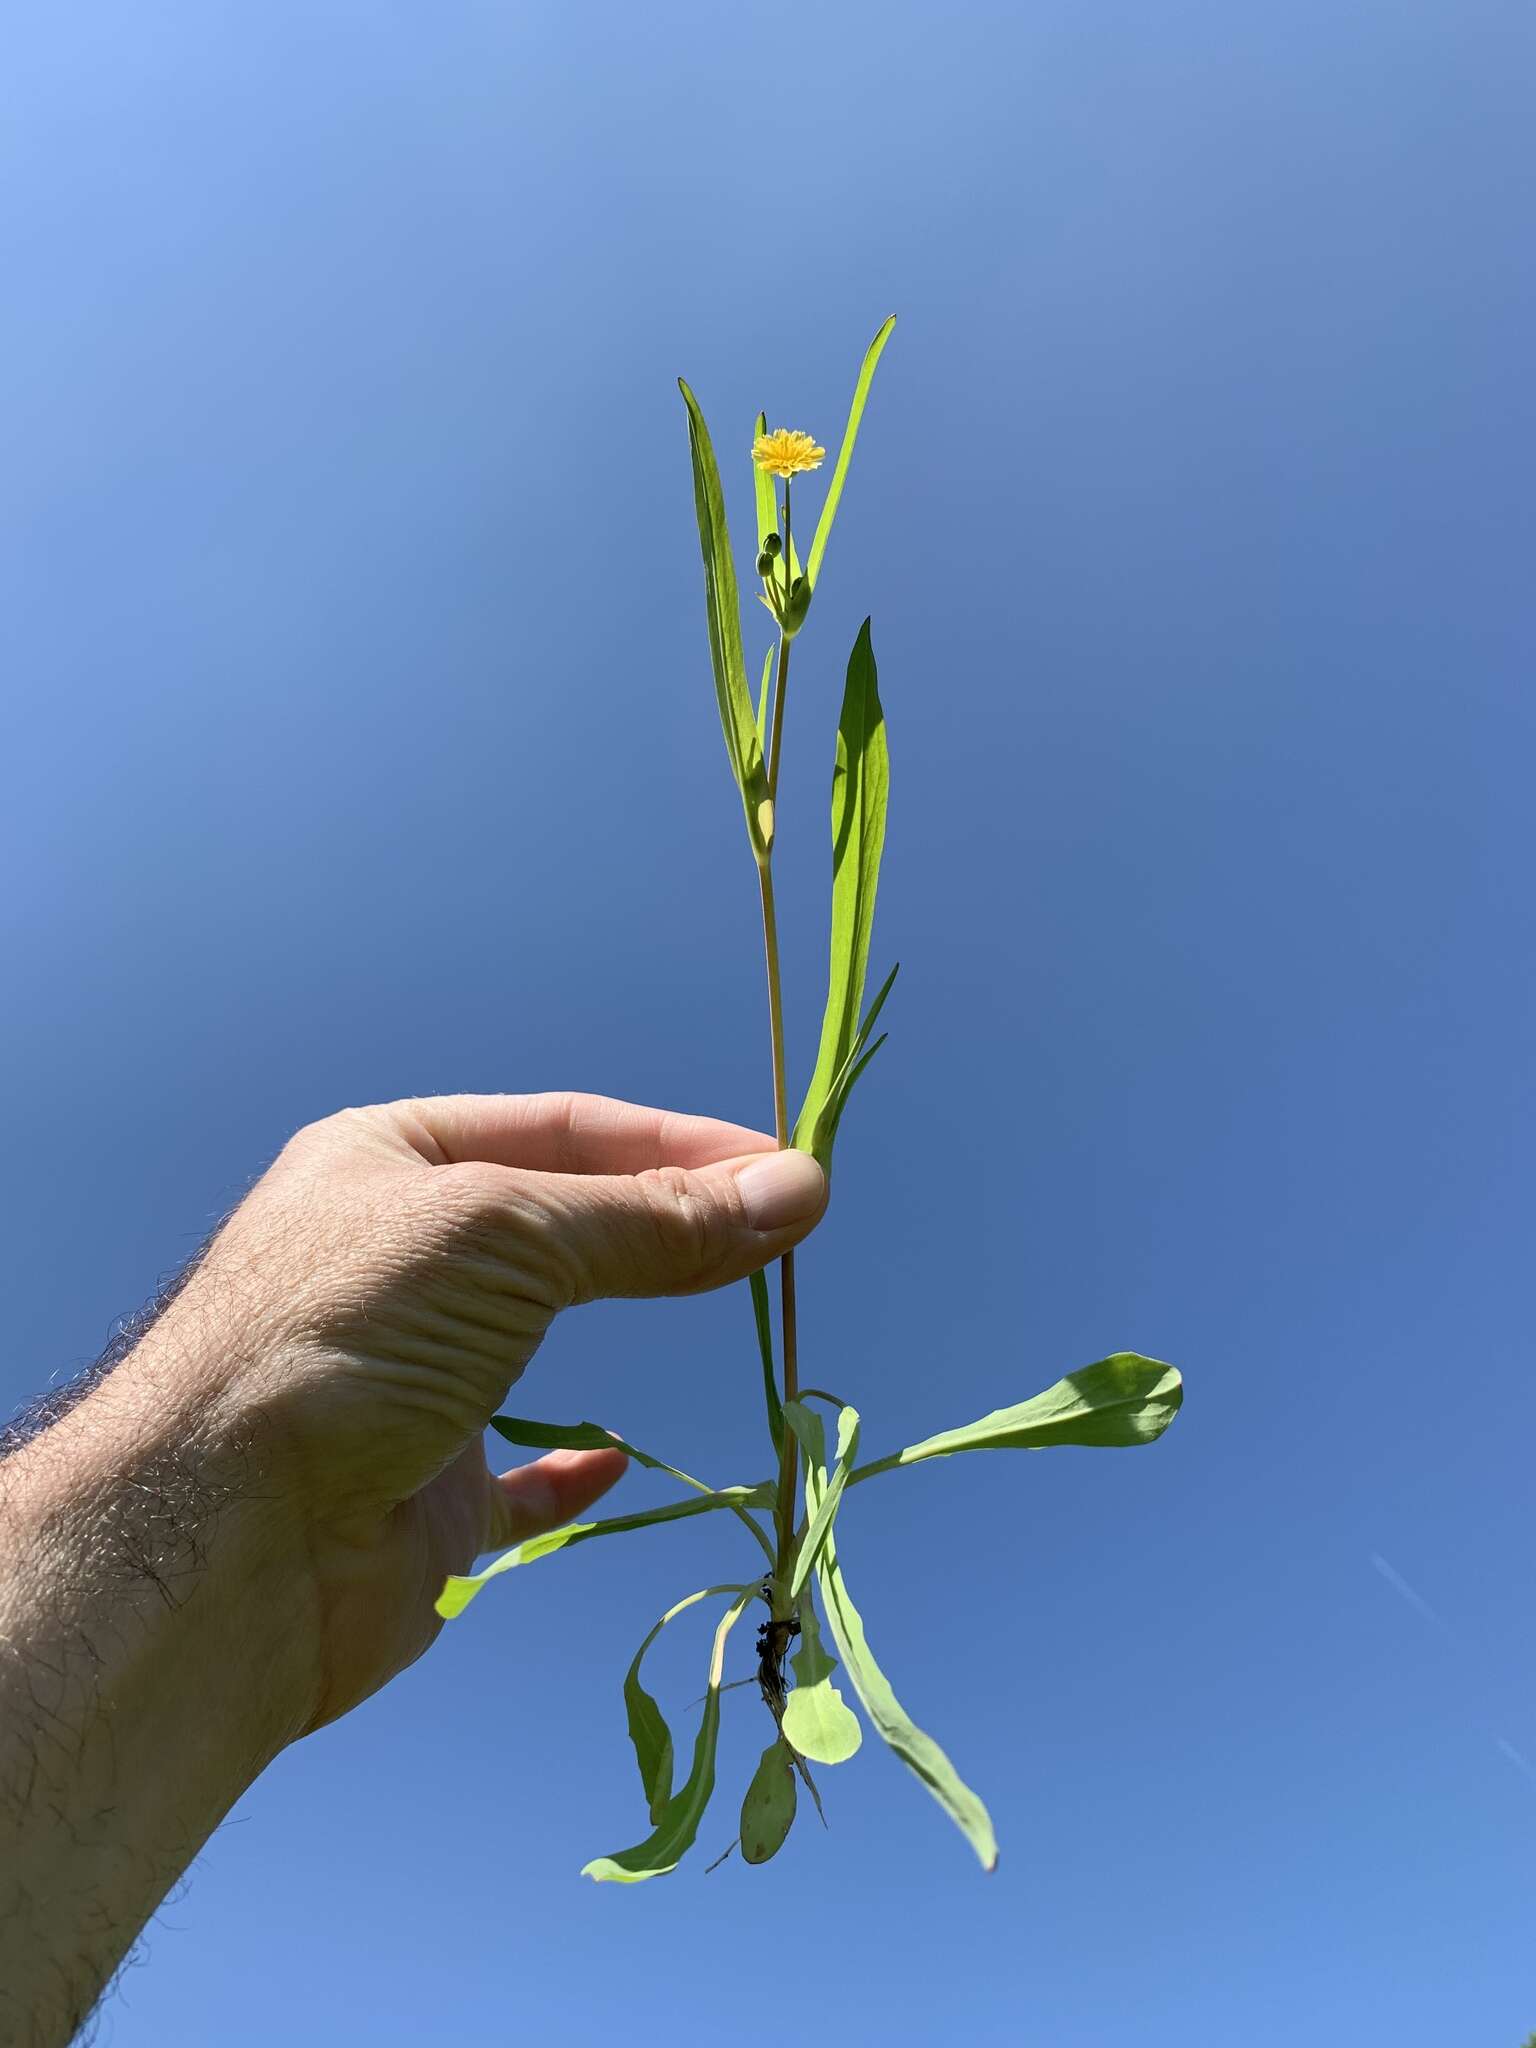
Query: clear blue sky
[[362, 743]]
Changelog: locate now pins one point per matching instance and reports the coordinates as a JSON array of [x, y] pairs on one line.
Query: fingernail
[[780, 1189]]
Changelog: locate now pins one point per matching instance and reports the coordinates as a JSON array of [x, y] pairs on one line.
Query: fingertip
[[555, 1489], [781, 1191]]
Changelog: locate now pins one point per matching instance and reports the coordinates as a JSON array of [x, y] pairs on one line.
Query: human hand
[[362, 1314]]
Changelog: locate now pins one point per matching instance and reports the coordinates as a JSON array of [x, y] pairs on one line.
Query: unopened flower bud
[[799, 604], [765, 563], [771, 544]]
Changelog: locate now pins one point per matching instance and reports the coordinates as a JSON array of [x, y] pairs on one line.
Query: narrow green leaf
[[765, 1351], [459, 1590], [762, 699], [652, 1740], [648, 1729], [768, 1811], [822, 1494], [762, 485], [1121, 1401], [845, 453], [818, 1722], [860, 788], [590, 1436], [919, 1752], [674, 1833], [583, 1436], [840, 1099], [722, 605], [861, 1039]]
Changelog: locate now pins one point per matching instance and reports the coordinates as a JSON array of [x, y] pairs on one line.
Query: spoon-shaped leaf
[[674, 1833], [1122, 1400], [768, 1811], [845, 453], [460, 1589], [817, 1719]]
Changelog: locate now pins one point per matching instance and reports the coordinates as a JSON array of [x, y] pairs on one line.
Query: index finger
[[571, 1133]]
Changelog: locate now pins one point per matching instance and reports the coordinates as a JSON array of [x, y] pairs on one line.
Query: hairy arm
[[153, 1617], [239, 1531]]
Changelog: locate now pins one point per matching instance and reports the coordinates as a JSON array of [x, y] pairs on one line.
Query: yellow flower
[[786, 452]]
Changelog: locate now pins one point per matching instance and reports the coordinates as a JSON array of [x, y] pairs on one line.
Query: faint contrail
[[1416, 1601], [1420, 1605]]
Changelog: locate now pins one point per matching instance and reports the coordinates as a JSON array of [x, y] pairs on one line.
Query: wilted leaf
[[674, 1833], [648, 1729]]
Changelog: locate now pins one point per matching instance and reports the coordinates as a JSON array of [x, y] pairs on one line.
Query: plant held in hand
[[1122, 1400]]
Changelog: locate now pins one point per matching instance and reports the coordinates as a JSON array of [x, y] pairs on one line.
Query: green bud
[[765, 563], [772, 545], [799, 604]]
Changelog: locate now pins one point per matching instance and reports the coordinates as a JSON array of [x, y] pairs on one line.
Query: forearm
[[147, 1618]]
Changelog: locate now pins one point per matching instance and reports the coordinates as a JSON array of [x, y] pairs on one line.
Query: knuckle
[[689, 1226], [488, 1213]]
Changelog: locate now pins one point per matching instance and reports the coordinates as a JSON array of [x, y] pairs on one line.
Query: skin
[[238, 1533]]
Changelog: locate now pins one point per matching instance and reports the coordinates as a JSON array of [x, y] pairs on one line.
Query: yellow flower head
[[786, 452]]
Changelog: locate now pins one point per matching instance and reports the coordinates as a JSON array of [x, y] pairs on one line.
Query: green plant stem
[[784, 1517], [789, 1462], [789, 1469], [776, 723], [775, 998]]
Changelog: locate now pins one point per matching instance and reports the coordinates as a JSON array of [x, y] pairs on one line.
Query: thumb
[[674, 1229]]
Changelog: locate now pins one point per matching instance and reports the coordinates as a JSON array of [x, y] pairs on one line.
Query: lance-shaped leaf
[[722, 605], [459, 1590], [761, 1317], [590, 1436], [918, 1751], [860, 786], [674, 1833], [845, 453], [768, 1811], [1122, 1400], [822, 1494], [648, 1729], [818, 1721]]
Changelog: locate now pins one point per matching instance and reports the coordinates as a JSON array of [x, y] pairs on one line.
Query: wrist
[[146, 1514]]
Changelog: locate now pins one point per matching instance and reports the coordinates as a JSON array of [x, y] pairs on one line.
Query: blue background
[[362, 743]]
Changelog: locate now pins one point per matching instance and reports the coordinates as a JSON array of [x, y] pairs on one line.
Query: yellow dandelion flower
[[786, 452]]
